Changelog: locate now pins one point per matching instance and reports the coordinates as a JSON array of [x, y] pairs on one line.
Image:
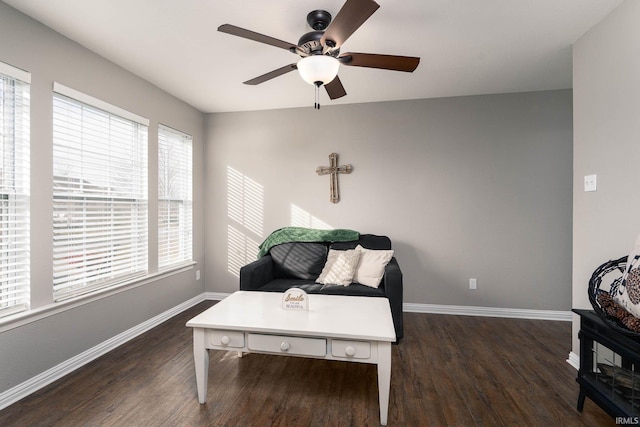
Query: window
[[100, 202], [14, 190], [174, 197]]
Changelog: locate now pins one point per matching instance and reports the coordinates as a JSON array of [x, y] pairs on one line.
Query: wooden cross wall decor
[[333, 169]]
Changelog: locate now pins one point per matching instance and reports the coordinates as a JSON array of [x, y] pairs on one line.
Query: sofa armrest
[[392, 282], [256, 274]]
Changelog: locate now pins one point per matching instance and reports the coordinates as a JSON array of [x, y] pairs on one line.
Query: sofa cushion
[[299, 260], [371, 266], [369, 241], [354, 289], [340, 267], [281, 285]]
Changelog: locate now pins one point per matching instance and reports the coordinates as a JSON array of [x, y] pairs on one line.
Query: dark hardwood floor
[[447, 371]]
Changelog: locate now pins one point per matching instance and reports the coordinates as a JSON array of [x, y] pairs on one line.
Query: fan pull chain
[[316, 105]]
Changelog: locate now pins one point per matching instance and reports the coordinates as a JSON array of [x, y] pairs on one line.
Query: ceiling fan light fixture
[[318, 68]]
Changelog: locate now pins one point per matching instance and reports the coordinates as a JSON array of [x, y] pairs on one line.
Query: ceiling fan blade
[[385, 62], [252, 35], [272, 74], [352, 15], [335, 89]]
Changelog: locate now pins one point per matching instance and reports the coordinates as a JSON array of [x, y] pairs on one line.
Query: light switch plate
[[590, 182]]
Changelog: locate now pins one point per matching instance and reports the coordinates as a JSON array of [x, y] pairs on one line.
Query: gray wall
[[33, 348], [606, 80], [465, 187]]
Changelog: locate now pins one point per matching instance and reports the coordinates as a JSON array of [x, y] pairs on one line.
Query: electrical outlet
[[197, 274], [473, 284], [590, 182]]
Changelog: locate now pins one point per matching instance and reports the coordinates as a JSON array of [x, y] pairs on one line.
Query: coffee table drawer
[[226, 338], [351, 349], [287, 345]]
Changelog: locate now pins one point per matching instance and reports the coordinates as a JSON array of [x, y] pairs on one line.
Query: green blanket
[[300, 234]]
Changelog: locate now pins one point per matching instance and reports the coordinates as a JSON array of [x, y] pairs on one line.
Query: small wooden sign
[[295, 299]]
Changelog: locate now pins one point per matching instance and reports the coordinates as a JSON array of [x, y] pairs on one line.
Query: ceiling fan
[[320, 48]]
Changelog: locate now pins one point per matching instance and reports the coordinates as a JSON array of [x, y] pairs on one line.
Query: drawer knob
[[225, 340], [285, 346], [350, 351]]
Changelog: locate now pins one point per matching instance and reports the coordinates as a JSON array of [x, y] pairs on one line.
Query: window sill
[[25, 317]]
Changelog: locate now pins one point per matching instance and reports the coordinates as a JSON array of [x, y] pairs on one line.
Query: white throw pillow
[[628, 294], [371, 266], [339, 268]]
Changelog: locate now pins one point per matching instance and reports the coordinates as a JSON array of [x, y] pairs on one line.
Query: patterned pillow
[[339, 268], [628, 293]]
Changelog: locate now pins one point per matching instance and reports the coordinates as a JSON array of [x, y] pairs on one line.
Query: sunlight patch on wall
[[302, 218], [245, 198], [245, 207], [241, 250]]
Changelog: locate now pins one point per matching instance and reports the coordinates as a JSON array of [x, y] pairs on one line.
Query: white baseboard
[[217, 296], [465, 310], [574, 360], [50, 375]]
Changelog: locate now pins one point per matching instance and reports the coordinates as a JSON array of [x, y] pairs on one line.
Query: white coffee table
[[354, 329]]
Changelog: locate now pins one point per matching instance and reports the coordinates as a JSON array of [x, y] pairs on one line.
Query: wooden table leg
[[201, 361], [384, 379]]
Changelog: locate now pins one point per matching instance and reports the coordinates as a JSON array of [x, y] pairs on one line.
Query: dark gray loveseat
[[298, 264]]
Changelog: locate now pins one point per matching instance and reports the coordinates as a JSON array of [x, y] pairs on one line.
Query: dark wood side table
[[609, 371]]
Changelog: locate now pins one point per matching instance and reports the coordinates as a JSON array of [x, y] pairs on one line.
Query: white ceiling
[[467, 47]]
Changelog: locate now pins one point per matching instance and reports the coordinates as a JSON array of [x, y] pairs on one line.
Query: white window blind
[[175, 224], [100, 202], [14, 190]]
